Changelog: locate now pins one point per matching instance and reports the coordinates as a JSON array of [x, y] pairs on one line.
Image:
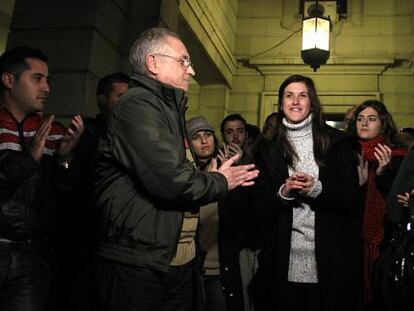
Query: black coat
[[337, 223], [403, 182], [231, 239], [144, 183]]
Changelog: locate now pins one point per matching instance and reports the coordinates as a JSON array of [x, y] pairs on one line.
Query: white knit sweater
[[302, 263]]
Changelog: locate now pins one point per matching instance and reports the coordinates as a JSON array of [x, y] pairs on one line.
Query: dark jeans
[[25, 277], [213, 290], [125, 287]]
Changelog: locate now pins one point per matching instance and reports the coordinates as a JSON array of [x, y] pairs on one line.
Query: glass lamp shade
[[315, 41]]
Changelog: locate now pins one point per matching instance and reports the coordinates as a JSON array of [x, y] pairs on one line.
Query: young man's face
[[30, 92], [234, 133], [172, 70], [118, 89]]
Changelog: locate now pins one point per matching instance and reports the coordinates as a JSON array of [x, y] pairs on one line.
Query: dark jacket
[[403, 182], [337, 223], [230, 243], [231, 240], [144, 181], [29, 189]]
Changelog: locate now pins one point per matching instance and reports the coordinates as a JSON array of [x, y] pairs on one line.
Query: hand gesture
[[39, 139], [71, 138], [241, 175], [229, 151], [383, 155], [405, 197], [362, 170], [301, 183]]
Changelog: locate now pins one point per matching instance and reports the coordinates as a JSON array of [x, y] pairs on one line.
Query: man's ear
[[152, 64], [8, 80]]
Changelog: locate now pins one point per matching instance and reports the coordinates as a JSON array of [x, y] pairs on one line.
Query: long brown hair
[[319, 133], [388, 129]]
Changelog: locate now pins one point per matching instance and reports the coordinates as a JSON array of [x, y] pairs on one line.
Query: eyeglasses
[[185, 62]]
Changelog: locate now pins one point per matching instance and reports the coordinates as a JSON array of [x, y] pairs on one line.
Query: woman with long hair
[[381, 155], [306, 195]]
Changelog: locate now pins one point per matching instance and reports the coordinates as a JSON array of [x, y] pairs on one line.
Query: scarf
[[374, 211]]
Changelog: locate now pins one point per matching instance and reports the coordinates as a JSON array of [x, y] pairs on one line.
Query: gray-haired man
[[148, 193]]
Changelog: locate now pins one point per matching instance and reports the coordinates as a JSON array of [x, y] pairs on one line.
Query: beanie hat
[[197, 124]]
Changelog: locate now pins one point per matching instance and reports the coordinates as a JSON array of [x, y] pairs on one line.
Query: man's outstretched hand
[[241, 175]]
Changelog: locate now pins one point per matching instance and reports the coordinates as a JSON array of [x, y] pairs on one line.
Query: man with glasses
[[148, 193]]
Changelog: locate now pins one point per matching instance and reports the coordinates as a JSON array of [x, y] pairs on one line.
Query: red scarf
[[374, 211]]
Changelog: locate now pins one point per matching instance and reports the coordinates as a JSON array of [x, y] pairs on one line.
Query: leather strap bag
[[393, 275]]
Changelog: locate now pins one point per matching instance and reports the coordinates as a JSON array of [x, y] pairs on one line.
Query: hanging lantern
[[315, 39]]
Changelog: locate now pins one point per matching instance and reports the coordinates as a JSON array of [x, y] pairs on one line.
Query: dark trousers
[[299, 297], [25, 277], [129, 288], [214, 294]]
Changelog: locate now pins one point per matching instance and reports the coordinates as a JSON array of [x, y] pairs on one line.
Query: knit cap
[[197, 124]]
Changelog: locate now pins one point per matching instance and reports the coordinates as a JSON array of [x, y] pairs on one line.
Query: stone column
[[213, 100], [84, 41]]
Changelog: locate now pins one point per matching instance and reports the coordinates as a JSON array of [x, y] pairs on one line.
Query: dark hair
[[269, 117], [253, 140], [388, 129], [253, 131], [408, 130], [14, 61], [319, 132], [232, 117], [268, 124], [106, 84]]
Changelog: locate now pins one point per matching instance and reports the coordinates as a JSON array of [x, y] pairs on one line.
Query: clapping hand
[[229, 151], [71, 138], [405, 197], [39, 139], [299, 182], [383, 154]]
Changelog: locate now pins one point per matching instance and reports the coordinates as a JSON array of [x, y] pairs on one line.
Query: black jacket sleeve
[[403, 182], [339, 178], [143, 139]]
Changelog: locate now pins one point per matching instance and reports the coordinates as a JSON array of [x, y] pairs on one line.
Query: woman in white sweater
[[307, 196]]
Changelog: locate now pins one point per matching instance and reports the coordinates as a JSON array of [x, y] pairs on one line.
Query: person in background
[[407, 135], [36, 168], [79, 253], [110, 88], [254, 138], [108, 92], [269, 128], [147, 192], [382, 153], [307, 199], [401, 192], [234, 131], [349, 114], [221, 237], [234, 136]]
